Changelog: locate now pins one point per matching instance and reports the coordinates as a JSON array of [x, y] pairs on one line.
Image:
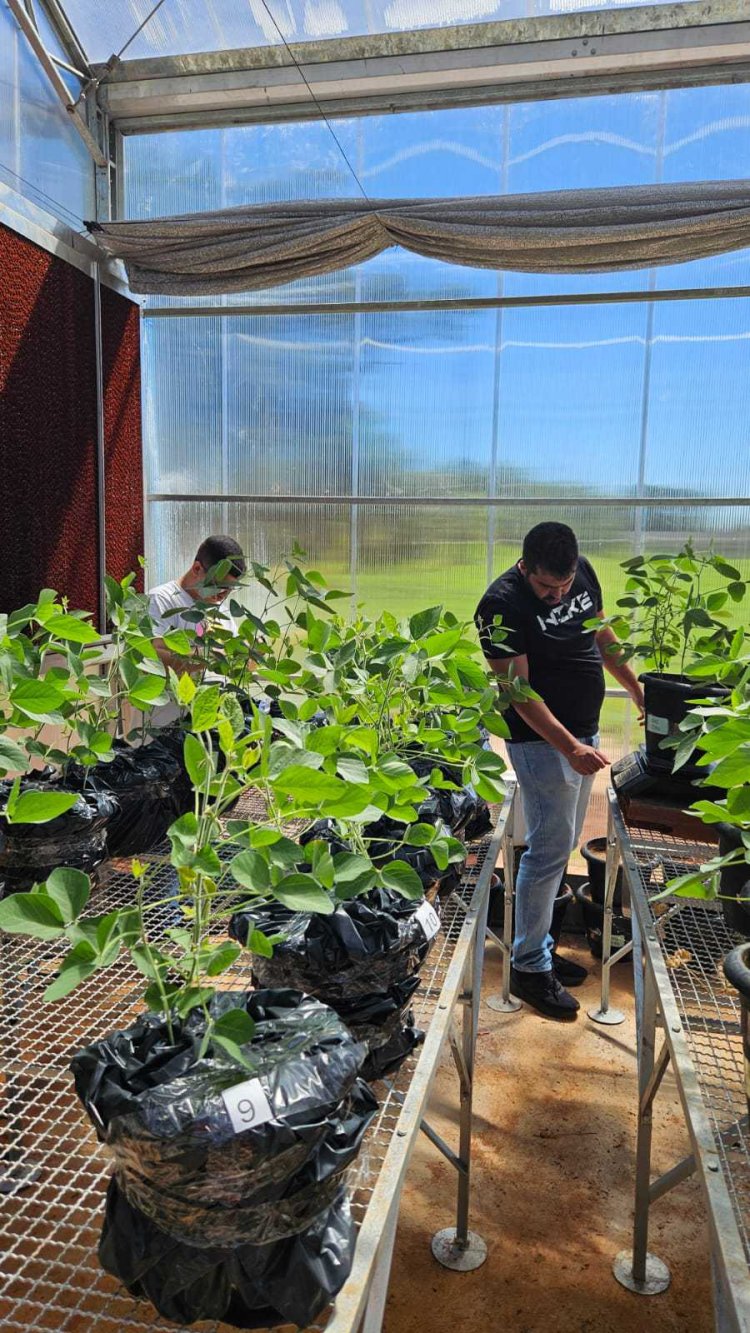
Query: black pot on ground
[[229, 1200], [668, 700], [737, 973], [735, 882], [30, 852], [593, 920], [594, 853]]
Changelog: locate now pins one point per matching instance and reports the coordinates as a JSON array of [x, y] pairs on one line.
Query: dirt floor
[[554, 1144]]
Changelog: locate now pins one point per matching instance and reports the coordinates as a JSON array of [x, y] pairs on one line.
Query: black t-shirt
[[565, 665]]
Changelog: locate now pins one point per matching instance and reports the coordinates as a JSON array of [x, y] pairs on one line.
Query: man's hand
[[585, 759], [636, 695]]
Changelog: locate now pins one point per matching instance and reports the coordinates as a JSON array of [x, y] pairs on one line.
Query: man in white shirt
[[199, 584]]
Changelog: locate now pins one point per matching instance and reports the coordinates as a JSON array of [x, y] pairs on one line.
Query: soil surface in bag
[[30, 852], [207, 1217], [152, 790]]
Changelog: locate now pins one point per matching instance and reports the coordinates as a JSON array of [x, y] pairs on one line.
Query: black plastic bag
[[30, 852], [366, 945], [211, 1220], [385, 1023], [248, 1286], [152, 789]]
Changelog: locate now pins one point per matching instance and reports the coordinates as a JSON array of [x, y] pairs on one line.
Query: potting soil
[[229, 1194]]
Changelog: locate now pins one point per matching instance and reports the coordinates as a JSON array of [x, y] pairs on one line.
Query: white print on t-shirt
[[561, 614]]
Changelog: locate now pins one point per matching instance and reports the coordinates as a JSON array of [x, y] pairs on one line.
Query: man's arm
[[584, 759], [605, 637]]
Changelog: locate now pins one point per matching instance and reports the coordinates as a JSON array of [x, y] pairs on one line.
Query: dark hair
[[214, 549], [550, 546]]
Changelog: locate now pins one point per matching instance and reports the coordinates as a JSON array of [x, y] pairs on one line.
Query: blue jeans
[[554, 799]]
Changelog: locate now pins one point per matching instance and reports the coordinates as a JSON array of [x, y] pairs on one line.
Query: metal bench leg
[[505, 1003], [603, 1014]]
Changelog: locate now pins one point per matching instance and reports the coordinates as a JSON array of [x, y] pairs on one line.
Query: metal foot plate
[[451, 1254], [501, 1006], [608, 1017], [657, 1274]]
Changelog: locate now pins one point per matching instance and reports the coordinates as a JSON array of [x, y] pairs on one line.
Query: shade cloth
[[567, 231]]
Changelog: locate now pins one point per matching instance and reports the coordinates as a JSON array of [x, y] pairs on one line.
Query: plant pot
[[363, 961], [30, 852], [593, 920], [737, 973], [152, 790], [668, 700], [734, 882], [594, 853], [229, 1200]]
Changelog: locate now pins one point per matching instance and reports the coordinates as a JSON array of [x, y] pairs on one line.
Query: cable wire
[[306, 82]]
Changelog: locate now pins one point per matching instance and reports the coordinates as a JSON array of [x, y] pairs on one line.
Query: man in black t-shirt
[[543, 604]]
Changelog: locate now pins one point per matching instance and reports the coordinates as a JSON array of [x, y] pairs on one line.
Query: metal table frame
[[48, 1153], [699, 1023]]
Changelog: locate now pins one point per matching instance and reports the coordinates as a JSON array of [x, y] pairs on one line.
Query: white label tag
[[247, 1105], [658, 724], [428, 919]]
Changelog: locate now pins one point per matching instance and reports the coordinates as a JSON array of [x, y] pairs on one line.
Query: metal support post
[[603, 1014], [505, 1003], [640, 1271], [458, 1248]]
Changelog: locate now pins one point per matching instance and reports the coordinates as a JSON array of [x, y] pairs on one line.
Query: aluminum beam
[[669, 45], [58, 83]]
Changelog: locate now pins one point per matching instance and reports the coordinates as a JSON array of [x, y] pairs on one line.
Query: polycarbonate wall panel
[[266, 532], [698, 427], [425, 555], [41, 155], [184, 26]]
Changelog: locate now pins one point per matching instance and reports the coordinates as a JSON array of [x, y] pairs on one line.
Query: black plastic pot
[[594, 853], [229, 1199], [496, 913], [737, 973], [152, 790], [593, 920], [668, 700], [30, 852], [734, 883]]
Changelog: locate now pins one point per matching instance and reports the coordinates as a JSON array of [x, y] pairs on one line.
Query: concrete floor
[[554, 1142]]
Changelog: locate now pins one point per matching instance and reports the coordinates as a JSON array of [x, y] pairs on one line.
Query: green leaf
[[438, 645], [70, 889], [737, 591], [264, 837], [236, 1025], [198, 762], [318, 853], [11, 756], [732, 771], [222, 958], [325, 740], [722, 566], [205, 708], [251, 870], [186, 689], [710, 812], [260, 944], [77, 966], [301, 893], [403, 878], [147, 690], [309, 786], [234, 1051], [351, 769], [35, 914], [36, 698], [72, 629], [421, 835], [39, 807], [424, 622], [177, 641]]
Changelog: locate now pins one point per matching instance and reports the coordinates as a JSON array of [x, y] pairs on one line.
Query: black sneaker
[[568, 972], [543, 992]]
